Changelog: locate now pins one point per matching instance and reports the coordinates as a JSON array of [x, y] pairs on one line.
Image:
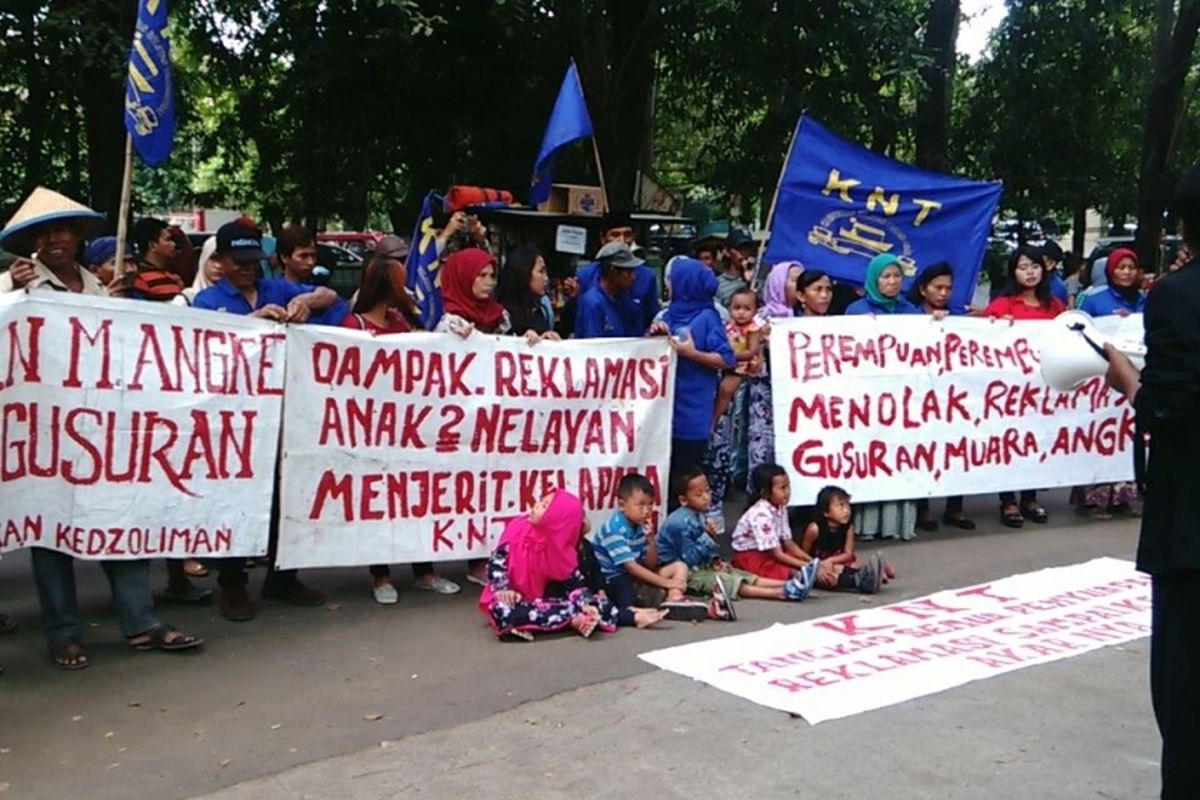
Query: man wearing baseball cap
[[243, 291], [640, 302], [602, 314]]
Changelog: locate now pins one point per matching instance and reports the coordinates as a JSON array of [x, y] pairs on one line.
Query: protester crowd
[[548, 572]]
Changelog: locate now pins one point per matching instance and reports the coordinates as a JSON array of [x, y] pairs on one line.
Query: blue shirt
[[327, 316], [1105, 301], [696, 385], [682, 537], [599, 316], [1058, 289], [865, 305], [639, 305], [617, 543], [224, 297]]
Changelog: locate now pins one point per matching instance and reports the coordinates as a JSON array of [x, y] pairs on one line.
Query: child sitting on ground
[[535, 552], [628, 557], [747, 338], [830, 536], [687, 536], [763, 544]]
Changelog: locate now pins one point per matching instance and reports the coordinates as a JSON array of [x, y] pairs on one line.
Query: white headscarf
[[201, 281]]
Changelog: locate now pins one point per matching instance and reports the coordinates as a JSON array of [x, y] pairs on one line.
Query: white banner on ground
[[843, 665], [902, 407], [130, 430], [422, 446]]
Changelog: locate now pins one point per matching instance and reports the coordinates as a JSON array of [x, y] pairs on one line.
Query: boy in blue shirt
[[686, 536], [628, 558]]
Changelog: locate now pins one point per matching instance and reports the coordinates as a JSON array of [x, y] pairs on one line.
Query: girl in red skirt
[[763, 545]]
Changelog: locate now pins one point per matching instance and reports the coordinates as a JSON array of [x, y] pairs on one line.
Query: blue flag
[[422, 266], [840, 205], [568, 121], [149, 102]]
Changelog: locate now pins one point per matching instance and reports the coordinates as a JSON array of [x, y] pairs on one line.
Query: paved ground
[[277, 708]]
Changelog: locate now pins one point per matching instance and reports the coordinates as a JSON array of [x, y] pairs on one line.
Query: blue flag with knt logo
[[149, 90], [422, 266], [840, 205]]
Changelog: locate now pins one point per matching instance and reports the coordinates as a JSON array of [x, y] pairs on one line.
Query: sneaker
[[236, 605], [686, 610], [385, 594], [870, 575], [293, 592], [438, 585], [802, 581], [724, 602]]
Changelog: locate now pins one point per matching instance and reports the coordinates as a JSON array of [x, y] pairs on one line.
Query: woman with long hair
[[385, 307], [1026, 295], [522, 291]]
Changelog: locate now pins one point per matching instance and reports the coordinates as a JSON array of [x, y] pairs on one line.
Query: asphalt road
[[417, 700]]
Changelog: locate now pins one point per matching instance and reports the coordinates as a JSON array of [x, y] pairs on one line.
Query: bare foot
[[585, 622], [645, 617]]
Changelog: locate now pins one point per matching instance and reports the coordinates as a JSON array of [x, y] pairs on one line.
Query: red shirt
[[396, 323], [1017, 308]]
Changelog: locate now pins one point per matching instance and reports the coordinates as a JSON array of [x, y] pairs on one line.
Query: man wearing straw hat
[[49, 228]]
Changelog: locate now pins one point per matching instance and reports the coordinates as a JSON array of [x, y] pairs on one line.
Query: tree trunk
[[1078, 228], [36, 111], [614, 43], [933, 106], [1175, 41], [102, 95]]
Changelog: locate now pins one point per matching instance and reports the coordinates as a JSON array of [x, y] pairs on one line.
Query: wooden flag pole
[[595, 144], [123, 213], [775, 200]]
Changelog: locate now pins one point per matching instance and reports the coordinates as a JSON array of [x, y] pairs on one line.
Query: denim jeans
[[54, 574]]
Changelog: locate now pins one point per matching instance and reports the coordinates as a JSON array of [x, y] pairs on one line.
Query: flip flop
[[158, 640], [69, 655]]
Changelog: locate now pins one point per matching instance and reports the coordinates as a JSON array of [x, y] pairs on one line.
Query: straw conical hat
[[39, 208]]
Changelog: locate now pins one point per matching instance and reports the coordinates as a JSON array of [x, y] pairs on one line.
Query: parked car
[[1106, 244]]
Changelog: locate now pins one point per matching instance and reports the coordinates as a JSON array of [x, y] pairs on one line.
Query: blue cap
[[100, 250]]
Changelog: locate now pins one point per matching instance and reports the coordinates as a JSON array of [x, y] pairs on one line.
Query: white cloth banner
[[130, 429], [902, 407], [843, 665], [421, 446]]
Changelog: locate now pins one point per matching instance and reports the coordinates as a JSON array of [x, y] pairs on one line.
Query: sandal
[[524, 636], [1012, 519], [960, 522], [157, 639], [1035, 514], [585, 624], [7, 624], [69, 655]]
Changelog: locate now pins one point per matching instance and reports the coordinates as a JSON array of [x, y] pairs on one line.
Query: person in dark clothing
[[1166, 398]]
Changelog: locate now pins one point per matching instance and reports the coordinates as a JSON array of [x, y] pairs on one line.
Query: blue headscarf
[[693, 287]]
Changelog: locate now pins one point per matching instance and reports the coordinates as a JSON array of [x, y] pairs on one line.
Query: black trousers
[[954, 505], [1175, 680]]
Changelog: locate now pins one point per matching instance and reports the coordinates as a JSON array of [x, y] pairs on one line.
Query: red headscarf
[[543, 552], [1115, 258], [458, 275]]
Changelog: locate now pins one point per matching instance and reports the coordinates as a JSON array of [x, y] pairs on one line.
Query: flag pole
[[595, 144], [775, 200], [123, 213]]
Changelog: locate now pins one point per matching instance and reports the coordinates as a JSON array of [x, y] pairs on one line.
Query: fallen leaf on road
[[76, 718], [4, 786], [387, 744], [414, 676], [109, 735], [239, 704], [276, 726], [122, 749], [134, 704], [372, 717], [226, 762], [5, 750], [114, 765]]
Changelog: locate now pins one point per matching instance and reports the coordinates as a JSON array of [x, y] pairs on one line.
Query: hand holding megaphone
[[1074, 351]]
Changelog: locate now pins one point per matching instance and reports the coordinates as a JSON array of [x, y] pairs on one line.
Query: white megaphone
[[1072, 352]]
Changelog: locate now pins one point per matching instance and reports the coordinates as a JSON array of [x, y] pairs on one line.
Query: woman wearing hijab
[[882, 285], [208, 274], [894, 519], [779, 294], [931, 293], [383, 307], [1121, 296], [468, 283], [698, 337], [522, 292], [534, 552]]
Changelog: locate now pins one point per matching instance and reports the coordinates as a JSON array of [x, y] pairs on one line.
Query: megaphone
[[1072, 352]]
